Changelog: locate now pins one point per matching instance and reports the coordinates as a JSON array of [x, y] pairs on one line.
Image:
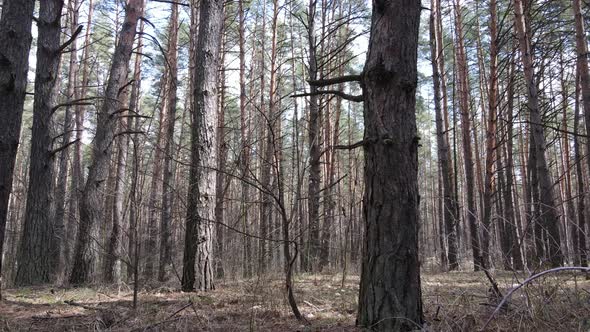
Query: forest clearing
[[457, 301]]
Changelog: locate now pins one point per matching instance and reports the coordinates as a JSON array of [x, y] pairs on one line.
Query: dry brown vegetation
[[457, 301]]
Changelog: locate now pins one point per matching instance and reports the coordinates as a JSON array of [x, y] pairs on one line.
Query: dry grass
[[457, 301]]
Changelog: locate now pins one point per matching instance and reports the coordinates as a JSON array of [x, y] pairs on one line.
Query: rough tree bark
[[201, 201], [15, 30], [91, 213], [37, 255], [390, 293]]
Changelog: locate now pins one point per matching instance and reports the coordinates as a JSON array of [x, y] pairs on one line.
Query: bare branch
[[358, 98], [335, 80], [71, 40]]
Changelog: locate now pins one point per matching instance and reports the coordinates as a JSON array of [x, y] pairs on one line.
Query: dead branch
[[357, 98], [335, 80], [527, 281]]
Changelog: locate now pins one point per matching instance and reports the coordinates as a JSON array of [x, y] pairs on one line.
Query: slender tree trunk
[[168, 183], [584, 73], [77, 177], [200, 202], [550, 219], [581, 226], [62, 176], [220, 178], [265, 160], [513, 222], [313, 201], [491, 147], [451, 212], [135, 124], [245, 143], [156, 181], [390, 294], [463, 88], [91, 214]]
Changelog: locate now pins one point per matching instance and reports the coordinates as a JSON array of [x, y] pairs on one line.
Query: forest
[[294, 165]]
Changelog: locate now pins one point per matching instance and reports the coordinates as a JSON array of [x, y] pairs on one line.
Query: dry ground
[[457, 301]]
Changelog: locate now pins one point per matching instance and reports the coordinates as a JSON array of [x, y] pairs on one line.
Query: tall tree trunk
[[390, 293], [550, 220], [491, 147], [463, 90], [244, 143], [313, 201], [77, 177], [512, 222], [38, 252], [581, 226], [201, 202], [156, 181], [450, 207], [584, 73], [220, 178], [15, 30], [91, 214], [111, 270], [62, 176], [135, 123], [167, 185]]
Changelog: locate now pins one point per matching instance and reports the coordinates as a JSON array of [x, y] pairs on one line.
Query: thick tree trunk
[[549, 217], [390, 293], [91, 214], [15, 30], [198, 244], [38, 253]]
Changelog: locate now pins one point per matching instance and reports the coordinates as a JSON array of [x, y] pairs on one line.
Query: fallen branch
[[527, 281]]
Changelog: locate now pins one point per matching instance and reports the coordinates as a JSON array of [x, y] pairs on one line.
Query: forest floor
[[457, 301]]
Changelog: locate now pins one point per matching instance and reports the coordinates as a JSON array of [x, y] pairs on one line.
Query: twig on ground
[[167, 320]]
